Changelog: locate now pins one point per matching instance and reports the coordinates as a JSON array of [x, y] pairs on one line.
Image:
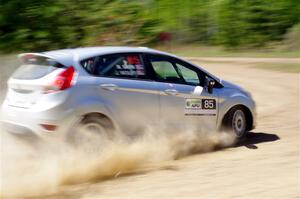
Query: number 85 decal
[[208, 104]]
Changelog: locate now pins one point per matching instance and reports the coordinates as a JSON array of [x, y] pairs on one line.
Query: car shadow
[[253, 138]]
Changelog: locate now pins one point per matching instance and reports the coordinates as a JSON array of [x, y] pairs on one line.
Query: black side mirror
[[210, 85]]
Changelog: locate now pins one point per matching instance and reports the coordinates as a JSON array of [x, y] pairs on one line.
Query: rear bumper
[[27, 123], [19, 131]]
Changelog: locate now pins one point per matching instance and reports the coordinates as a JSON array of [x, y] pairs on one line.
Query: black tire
[[236, 122], [92, 130]]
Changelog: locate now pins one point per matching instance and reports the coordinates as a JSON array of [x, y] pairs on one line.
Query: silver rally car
[[119, 88]]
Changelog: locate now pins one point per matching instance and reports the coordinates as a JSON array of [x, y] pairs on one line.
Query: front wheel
[[236, 122]]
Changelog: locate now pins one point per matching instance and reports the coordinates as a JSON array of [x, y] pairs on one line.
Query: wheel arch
[[97, 107], [109, 121], [248, 114]]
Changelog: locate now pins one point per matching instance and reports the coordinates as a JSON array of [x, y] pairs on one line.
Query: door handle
[[109, 87], [171, 92]]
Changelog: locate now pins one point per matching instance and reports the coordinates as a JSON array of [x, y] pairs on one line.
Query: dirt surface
[[266, 165]]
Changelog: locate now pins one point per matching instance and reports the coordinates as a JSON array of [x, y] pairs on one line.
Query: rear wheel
[[236, 122], [92, 131]]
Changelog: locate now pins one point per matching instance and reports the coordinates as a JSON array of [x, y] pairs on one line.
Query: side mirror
[[210, 85]]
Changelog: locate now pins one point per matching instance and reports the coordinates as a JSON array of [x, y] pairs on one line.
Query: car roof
[[87, 52], [67, 56]]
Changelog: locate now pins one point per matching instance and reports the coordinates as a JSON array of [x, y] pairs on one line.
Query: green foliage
[[255, 22], [292, 38], [48, 24]]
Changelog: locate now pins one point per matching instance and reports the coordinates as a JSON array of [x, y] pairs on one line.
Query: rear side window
[[35, 67], [117, 65]]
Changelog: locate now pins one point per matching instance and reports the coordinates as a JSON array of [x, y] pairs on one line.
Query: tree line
[[49, 24]]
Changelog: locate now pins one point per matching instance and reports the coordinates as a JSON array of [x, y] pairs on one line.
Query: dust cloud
[[43, 169]]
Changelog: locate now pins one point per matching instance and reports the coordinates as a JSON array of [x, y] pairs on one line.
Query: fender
[[237, 98]]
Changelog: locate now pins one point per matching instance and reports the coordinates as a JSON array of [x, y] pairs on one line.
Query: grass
[[287, 67], [209, 51]]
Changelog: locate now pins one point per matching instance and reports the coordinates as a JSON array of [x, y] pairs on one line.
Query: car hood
[[228, 84], [231, 85]]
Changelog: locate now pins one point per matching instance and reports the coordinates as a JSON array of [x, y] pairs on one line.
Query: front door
[[184, 103]]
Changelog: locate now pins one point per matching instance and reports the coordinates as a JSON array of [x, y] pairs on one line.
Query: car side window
[[89, 65], [164, 70], [190, 76], [173, 71], [117, 65]]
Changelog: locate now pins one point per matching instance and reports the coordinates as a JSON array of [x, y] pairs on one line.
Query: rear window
[[35, 67]]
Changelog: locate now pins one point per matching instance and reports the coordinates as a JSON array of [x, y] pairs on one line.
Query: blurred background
[[233, 39], [211, 26]]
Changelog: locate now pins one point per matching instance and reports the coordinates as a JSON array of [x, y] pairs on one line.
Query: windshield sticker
[[200, 107], [134, 60], [131, 66]]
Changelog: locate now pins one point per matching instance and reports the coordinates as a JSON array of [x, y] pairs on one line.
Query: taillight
[[49, 127], [62, 81]]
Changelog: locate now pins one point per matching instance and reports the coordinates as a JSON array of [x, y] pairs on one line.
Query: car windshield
[[35, 67]]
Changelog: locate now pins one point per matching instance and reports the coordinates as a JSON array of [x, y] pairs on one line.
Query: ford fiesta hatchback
[[119, 88]]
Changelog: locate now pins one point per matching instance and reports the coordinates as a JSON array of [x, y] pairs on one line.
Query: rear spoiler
[[20, 56], [57, 59]]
